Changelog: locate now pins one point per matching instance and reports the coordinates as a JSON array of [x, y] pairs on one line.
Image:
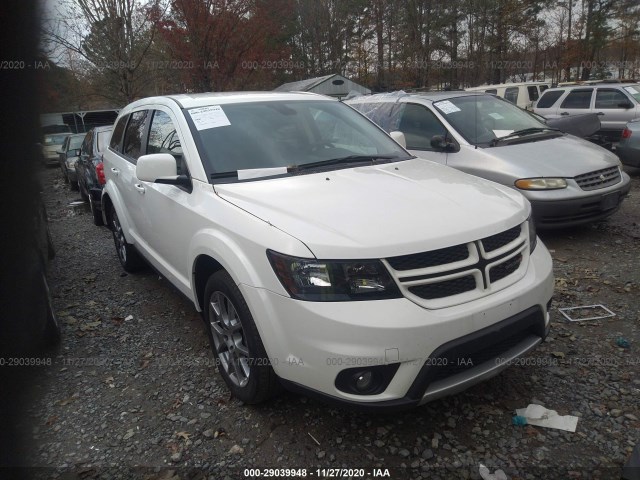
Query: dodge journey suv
[[323, 256]]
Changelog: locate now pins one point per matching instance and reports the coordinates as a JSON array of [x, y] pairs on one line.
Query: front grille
[[429, 259], [505, 269], [499, 240], [446, 288], [429, 278], [599, 178]]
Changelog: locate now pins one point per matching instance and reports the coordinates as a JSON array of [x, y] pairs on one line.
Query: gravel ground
[[133, 391]]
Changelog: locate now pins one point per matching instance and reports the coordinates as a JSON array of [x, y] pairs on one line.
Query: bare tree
[[113, 37]]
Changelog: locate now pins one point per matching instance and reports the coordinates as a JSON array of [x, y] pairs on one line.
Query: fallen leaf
[[183, 435], [67, 401], [558, 354], [51, 420]]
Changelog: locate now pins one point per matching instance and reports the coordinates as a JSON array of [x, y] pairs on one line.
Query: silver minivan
[[568, 181]]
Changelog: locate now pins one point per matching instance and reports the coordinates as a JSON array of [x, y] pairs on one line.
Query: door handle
[[564, 113], [600, 113], [115, 171], [139, 188]]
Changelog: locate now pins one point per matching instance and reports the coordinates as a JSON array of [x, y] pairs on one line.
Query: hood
[[380, 211], [565, 156]]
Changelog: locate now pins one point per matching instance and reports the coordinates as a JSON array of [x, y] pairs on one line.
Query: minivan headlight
[[334, 280], [541, 183]]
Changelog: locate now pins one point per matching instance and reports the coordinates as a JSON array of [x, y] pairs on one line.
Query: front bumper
[[598, 204], [310, 343]]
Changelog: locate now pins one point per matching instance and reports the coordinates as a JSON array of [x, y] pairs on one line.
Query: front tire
[[240, 355], [129, 258]]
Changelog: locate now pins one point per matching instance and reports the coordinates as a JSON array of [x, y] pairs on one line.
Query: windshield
[[634, 91], [277, 134], [55, 139], [483, 118]]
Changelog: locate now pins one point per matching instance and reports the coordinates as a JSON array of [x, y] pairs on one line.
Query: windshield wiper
[[348, 159], [523, 132]]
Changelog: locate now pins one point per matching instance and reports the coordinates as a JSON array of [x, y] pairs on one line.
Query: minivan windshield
[[481, 119], [289, 134]]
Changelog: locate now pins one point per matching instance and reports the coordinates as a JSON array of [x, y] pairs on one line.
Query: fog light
[[364, 381], [369, 381]]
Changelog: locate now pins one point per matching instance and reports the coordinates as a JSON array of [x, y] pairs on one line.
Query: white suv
[[323, 256]]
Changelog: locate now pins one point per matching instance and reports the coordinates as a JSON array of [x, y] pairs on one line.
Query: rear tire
[[84, 196], [95, 212], [237, 348], [129, 258]]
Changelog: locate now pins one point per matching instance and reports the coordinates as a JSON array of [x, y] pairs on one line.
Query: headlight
[[533, 237], [541, 183], [71, 162], [333, 281]]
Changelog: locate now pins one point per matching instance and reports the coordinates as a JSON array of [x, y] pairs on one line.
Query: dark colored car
[[90, 170], [29, 324], [68, 156]]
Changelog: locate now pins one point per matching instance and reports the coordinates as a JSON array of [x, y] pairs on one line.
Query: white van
[[521, 94]]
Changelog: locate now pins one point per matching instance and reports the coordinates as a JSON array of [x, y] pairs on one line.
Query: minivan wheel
[[129, 258], [237, 348], [95, 212]]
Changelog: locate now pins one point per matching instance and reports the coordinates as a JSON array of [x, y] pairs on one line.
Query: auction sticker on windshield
[[209, 117], [447, 107]]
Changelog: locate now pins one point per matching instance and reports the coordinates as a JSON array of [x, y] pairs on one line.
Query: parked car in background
[[568, 181], [615, 104], [90, 169], [68, 156], [521, 94], [51, 145], [629, 147], [323, 255]]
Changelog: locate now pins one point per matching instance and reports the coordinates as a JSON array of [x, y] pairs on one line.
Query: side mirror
[[149, 168], [161, 168], [438, 142], [399, 138]]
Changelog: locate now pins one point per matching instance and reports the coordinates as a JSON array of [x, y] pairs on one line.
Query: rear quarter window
[[548, 98]]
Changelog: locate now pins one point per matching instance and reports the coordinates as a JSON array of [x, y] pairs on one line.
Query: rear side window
[[549, 98], [419, 125], [578, 99], [379, 113], [511, 94], [133, 135], [118, 131], [610, 98], [533, 92]]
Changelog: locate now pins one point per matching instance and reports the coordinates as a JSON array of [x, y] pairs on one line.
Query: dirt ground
[[133, 391]]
